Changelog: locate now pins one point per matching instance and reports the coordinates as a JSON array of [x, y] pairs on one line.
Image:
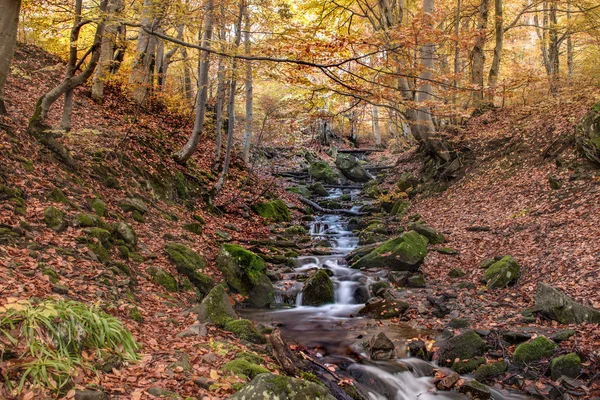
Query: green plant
[[48, 339]]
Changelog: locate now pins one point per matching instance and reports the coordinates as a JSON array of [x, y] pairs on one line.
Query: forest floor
[[509, 154]]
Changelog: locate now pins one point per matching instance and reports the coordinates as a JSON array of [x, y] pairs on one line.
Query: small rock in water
[[381, 348], [476, 390]]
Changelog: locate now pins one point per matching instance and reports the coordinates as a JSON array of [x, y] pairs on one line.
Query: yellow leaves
[[15, 305], [214, 374]]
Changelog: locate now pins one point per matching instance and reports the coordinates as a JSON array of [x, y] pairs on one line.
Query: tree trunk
[[478, 58], [220, 90], [190, 147], [107, 49], [553, 48], [9, 22], [376, 131], [65, 123], [569, 43], [231, 104], [456, 51], [499, 30], [141, 77], [249, 115], [37, 124]]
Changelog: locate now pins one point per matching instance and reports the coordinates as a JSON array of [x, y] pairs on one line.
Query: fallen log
[[327, 210]]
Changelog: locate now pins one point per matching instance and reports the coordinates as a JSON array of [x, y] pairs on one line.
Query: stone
[[188, 263], [560, 307], [351, 168], [476, 390], [56, 195], [322, 171], [587, 135], [459, 323], [400, 208], [468, 365], [399, 278], [430, 233], [244, 368], [223, 236], [300, 189], [562, 335], [490, 371], [60, 289], [318, 290], [99, 252], [244, 272], [269, 386], [163, 278], [416, 281], [383, 308], [137, 216], [535, 350], [54, 219], [90, 395], [124, 231], [381, 348], [502, 273], [403, 253], [464, 346], [568, 365], [216, 308], [554, 182], [194, 227], [456, 273], [163, 393], [102, 235], [378, 287], [407, 181], [132, 204], [318, 189], [245, 329], [418, 349], [99, 207], [276, 210], [196, 329], [88, 220]]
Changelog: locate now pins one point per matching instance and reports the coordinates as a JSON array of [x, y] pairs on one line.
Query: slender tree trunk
[[37, 124], [569, 43], [160, 65], [478, 58], [231, 104], [141, 77], [553, 48], [376, 131], [499, 30], [220, 92], [65, 123], [107, 50], [190, 147], [9, 23], [456, 51], [249, 115]]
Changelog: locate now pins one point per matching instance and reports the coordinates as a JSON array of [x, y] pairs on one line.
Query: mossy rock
[[459, 323], [262, 293], [456, 273], [318, 189], [181, 185], [490, 371], [468, 365], [430, 233], [99, 207], [318, 290], [587, 135], [54, 218], [88, 221], [136, 315], [125, 232], [301, 190], [378, 286], [400, 208], [162, 278], [132, 204], [137, 217], [244, 368], [250, 357], [188, 263], [502, 273], [199, 219], [194, 227], [322, 171], [241, 268], [464, 346], [245, 329], [403, 253], [535, 350], [568, 365], [416, 281], [216, 308], [295, 230], [407, 181], [101, 253], [558, 306], [51, 274], [351, 168], [270, 386], [57, 196], [275, 210], [476, 390], [102, 235], [383, 308]]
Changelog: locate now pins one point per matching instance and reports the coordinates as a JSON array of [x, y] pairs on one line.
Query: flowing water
[[333, 330]]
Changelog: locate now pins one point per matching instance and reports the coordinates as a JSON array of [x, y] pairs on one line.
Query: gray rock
[[269, 386], [216, 308], [125, 232], [351, 168], [430, 233], [463, 346], [476, 390], [90, 395], [381, 348], [318, 290], [587, 135], [557, 305], [196, 329], [130, 205]]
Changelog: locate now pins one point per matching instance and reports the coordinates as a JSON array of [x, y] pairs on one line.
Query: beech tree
[[9, 21]]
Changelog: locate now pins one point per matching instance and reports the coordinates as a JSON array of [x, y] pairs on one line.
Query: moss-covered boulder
[[244, 271], [245, 329], [403, 253], [244, 368], [270, 386], [194, 227], [560, 307], [322, 171], [318, 190], [88, 220], [502, 273], [102, 235], [56, 195], [318, 290], [490, 371], [275, 210], [133, 204], [430, 233], [99, 207], [587, 135], [568, 365], [476, 390], [407, 181], [300, 189], [125, 232], [189, 263], [467, 365], [351, 168], [464, 346], [400, 208], [373, 233], [216, 308], [383, 308], [535, 350], [100, 252], [162, 278], [54, 218]]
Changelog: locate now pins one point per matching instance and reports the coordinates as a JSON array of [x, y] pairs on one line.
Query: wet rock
[[351, 168], [502, 273], [188, 263], [557, 305], [448, 381], [322, 171], [381, 348], [361, 294], [216, 308], [378, 287], [430, 233], [537, 349], [318, 290], [463, 346], [244, 272], [476, 390], [404, 253], [275, 210], [490, 371], [568, 365], [418, 349], [383, 308], [270, 386]]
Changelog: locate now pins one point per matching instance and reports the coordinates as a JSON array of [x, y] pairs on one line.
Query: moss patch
[[489, 371], [57, 196], [404, 253], [163, 278], [318, 290], [244, 329], [54, 218], [275, 210], [466, 366], [534, 350], [502, 273], [567, 365], [99, 207], [244, 368]]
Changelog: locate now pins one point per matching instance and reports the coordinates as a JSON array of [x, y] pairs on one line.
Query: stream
[[333, 331]]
